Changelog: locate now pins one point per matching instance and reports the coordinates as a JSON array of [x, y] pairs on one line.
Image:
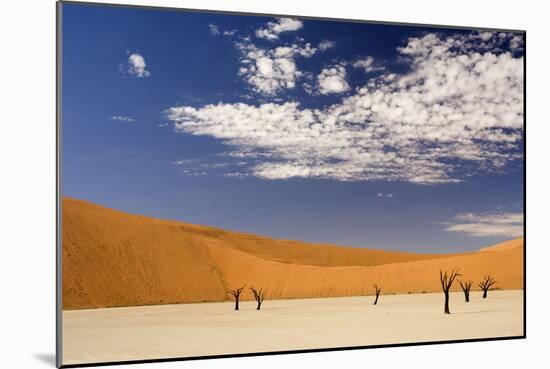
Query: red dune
[[111, 258]]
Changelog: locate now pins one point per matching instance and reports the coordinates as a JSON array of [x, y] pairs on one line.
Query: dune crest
[[111, 258], [507, 245]]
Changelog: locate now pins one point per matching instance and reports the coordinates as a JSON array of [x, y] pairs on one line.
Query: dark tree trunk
[[466, 286], [377, 292], [259, 295], [446, 283], [236, 293], [484, 294]]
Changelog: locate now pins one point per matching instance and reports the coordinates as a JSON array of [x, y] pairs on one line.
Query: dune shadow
[[46, 358]]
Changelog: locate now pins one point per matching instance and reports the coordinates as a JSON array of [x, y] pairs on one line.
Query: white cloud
[[388, 195], [484, 225], [239, 175], [211, 166], [516, 43], [326, 44], [308, 88], [367, 64], [333, 80], [185, 162], [269, 71], [458, 111], [136, 66], [273, 29], [122, 118], [214, 30]]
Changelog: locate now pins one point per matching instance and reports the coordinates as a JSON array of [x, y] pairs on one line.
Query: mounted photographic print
[[237, 184]]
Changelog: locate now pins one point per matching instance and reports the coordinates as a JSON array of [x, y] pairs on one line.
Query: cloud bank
[[458, 111]]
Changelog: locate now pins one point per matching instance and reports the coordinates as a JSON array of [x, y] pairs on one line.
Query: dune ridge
[[111, 258], [506, 245]]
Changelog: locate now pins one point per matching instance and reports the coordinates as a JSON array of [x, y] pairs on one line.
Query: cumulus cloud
[[273, 29], [333, 80], [136, 66], [457, 111], [122, 118], [516, 43], [488, 224], [367, 64], [268, 71], [326, 44], [213, 29]]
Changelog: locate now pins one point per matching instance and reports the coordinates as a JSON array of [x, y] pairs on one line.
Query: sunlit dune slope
[[508, 245], [111, 258]]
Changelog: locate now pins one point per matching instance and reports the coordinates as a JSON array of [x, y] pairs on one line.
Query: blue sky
[[391, 137]]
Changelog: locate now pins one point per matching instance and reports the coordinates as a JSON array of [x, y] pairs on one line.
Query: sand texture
[[186, 330], [113, 259]]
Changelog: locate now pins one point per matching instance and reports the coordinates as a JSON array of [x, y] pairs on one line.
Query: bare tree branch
[[259, 295], [486, 284], [446, 283], [466, 287], [236, 293]]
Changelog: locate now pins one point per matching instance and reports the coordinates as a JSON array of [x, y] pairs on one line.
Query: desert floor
[[184, 330]]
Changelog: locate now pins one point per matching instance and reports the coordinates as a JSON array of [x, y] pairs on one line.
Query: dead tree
[[485, 284], [258, 295], [466, 286], [377, 291], [236, 294], [446, 283]]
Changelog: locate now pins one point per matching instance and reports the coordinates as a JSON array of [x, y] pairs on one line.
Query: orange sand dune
[[508, 245], [111, 258]]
